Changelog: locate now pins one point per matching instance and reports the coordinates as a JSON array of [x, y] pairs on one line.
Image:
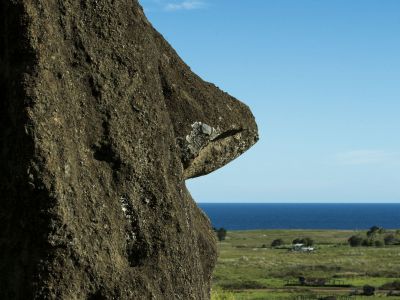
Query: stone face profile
[[101, 123]]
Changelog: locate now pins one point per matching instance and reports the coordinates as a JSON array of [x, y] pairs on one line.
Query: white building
[[302, 248]]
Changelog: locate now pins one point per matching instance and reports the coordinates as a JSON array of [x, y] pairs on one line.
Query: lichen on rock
[[101, 124], [200, 136]]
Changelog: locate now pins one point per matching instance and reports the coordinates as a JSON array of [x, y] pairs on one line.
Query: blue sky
[[323, 80]]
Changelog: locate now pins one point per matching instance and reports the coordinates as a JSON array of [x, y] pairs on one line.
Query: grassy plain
[[248, 268]]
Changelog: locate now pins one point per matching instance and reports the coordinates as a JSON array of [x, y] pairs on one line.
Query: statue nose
[[211, 127], [206, 148]]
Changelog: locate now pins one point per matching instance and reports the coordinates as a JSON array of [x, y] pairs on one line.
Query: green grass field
[[248, 268]]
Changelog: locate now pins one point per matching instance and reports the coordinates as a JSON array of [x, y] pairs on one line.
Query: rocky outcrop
[[101, 124]]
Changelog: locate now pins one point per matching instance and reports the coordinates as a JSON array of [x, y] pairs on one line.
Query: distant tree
[[308, 242], [374, 230], [355, 241], [297, 241], [221, 233], [302, 280], [368, 290], [277, 243]]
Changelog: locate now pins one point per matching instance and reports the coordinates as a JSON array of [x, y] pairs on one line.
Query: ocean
[[248, 216]]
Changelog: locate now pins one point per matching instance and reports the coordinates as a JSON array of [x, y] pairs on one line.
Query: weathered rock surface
[[100, 124]]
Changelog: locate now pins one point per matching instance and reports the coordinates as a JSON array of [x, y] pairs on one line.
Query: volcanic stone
[[98, 134]]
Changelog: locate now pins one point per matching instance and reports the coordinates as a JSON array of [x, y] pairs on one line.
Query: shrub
[[367, 242], [395, 285], [297, 241], [368, 290], [302, 280], [355, 241], [374, 230], [390, 239], [221, 233], [277, 243], [378, 243], [308, 242]]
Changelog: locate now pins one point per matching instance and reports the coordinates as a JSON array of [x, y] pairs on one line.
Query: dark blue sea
[[302, 216]]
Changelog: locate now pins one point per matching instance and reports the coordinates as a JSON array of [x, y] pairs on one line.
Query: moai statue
[[101, 123]]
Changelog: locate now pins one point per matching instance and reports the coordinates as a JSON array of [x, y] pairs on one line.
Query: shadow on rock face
[[101, 125]]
